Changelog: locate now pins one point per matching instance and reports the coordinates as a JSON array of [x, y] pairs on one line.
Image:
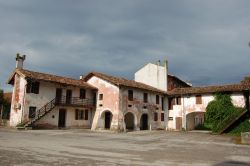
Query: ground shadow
[[232, 163]]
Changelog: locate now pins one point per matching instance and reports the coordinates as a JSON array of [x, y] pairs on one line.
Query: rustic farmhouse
[[153, 100]]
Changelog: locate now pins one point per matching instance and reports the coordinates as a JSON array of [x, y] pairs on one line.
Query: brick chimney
[[19, 61]]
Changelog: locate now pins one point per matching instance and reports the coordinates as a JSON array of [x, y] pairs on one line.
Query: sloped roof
[[209, 89], [246, 81], [49, 78], [177, 78], [118, 81]]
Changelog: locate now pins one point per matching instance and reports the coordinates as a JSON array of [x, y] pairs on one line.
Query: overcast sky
[[205, 42]]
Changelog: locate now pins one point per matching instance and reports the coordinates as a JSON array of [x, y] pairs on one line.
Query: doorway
[[144, 122], [62, 118], [68, 96], [129, 121], [108, 119], [58, 95]]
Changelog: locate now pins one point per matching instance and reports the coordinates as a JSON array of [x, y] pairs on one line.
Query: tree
[[1, 97]]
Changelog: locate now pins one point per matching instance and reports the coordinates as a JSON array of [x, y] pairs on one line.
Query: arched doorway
[[129, 121], [144, 122], [194, 119], [107, 119]]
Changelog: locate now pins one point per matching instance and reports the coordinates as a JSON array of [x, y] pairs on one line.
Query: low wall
[[245, 138]]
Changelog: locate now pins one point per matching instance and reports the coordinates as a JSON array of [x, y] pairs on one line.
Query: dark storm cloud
[[204, 41]]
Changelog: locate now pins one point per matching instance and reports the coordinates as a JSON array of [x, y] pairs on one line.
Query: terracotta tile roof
[[177, 78], [50, 78], [246, 81], [118, 81], [209, 89]]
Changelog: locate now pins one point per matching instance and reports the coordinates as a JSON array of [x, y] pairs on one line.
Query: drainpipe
[[158, 64], [184, 113]]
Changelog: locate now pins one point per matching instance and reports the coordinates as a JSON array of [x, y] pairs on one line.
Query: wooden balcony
[[75, 102]]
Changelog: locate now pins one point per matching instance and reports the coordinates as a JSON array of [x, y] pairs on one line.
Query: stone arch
[[144, 122], [194, 119], [106, 117], [130, 121]]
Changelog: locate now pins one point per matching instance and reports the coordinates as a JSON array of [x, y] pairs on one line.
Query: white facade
[[22, 101], [153, 75], [188, 106]]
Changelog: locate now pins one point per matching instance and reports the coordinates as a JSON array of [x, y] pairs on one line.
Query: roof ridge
[[127, 82]]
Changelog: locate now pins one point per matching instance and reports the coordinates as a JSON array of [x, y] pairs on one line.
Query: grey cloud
[[204, 41]]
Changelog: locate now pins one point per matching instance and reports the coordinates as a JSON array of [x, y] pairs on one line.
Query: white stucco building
[[154, 100]]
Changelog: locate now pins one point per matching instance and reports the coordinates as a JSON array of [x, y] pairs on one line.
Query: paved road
[[83, 147]]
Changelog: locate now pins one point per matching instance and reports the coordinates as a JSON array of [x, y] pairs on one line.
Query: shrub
[[220, 112], [242, 127]]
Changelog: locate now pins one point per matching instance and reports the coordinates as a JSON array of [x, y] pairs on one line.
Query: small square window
[[162, 117], [100, 96], [198, 99], [32, 112], [130, 95]]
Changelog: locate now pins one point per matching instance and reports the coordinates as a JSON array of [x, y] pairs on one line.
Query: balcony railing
[[75, 101]]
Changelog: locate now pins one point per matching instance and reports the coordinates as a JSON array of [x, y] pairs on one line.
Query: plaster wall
[[188, 105], [153, 75], [50, 120], [136, 107], [110, 102], [17, 102], [47, 92]]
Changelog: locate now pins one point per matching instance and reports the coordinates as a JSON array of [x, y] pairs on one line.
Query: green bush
[[220, 112], [242, 127]]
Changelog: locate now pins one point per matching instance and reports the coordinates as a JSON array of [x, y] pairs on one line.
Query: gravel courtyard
[[83, 147]]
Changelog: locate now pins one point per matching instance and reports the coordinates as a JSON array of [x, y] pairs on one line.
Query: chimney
[[159, 62], [19, 61], [166, 64], [166, 74]]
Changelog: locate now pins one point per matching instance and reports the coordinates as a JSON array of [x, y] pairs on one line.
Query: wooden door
[[68, 96], [58, 95], [62, 118]]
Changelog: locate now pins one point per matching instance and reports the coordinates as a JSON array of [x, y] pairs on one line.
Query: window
[[155, 116], [32, 112], [171, 102], [198, 99], [162, 116], [130, 95], [33, 87], [162, 103], [145, 97], [82, 93], [79, 114], [157, 99], [100, 96], [178, 100], [86, 115]]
